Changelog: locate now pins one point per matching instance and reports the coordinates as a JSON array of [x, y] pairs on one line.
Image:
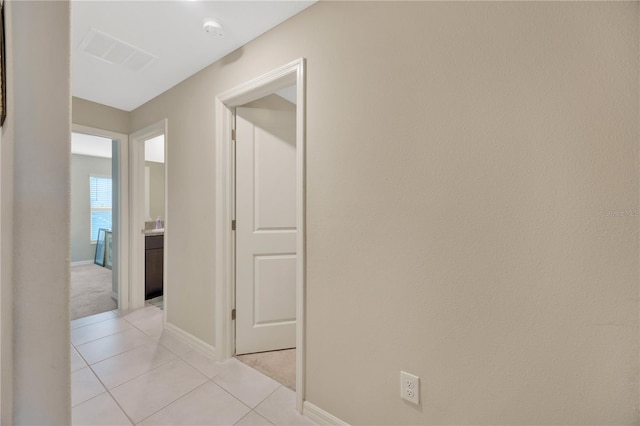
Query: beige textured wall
[[6, 238], [38, 129], [156, 189], [472, 178], [100, 116]]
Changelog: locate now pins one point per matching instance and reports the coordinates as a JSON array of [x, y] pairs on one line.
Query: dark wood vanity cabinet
[[153, 264]]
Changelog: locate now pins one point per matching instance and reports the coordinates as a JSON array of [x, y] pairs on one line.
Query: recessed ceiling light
[[212, 27]]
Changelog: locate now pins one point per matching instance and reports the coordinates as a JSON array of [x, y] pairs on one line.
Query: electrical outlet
[[410, 387]]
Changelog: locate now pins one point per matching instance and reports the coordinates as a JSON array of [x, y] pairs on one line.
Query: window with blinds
[[100, 202]]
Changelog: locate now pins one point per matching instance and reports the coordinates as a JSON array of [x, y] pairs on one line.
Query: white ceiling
[[170, 31]]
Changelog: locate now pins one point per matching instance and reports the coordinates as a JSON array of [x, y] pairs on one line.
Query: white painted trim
[[123, 210], [167, 229], [287, 75], [301, 243], [137, 218], [224, 242], [320, 416], [82, 262], [190, 340]]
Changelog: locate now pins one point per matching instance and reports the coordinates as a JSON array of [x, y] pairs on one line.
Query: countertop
[[152, 232]]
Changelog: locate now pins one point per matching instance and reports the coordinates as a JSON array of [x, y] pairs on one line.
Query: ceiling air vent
[[115, 52]]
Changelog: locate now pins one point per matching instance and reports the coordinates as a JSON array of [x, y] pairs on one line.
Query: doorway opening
[[265, 235], [154, 195], [99, 223], [149, 225], [285, 261]]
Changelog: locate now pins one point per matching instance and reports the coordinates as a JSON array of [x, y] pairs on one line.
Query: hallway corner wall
[[38, 132], [100, 116], [472, 194]]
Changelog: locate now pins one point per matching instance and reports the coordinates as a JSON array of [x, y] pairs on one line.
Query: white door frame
[[123, 207], [285, 76], [137, 218]]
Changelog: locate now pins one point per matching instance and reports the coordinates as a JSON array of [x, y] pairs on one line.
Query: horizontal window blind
[[100, 196]]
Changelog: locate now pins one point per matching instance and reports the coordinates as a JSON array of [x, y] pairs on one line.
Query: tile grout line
[[258, 404], [220, 387], [176, 357], [175, 400], [209, 379], [139, 375], [157, 340], [112, 398], [108, 391], [242, 402], [107, 335], [257, 414], [91, 323], [136, 377], [80, 355], [232, 395], [118, 404], [115, 355]]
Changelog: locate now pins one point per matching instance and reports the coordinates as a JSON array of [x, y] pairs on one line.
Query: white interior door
[[265, 227]]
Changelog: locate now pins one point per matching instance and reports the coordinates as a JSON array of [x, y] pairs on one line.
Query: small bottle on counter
[[158, 223]]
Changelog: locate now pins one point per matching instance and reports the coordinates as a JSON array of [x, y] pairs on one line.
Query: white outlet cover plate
[[410, 387]]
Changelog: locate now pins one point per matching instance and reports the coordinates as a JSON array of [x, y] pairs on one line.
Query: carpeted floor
[[90, 291], [279, 365]]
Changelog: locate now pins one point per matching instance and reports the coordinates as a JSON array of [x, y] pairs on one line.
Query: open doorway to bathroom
[[154, 197], [148, 216]]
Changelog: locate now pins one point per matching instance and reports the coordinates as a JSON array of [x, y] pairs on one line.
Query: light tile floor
[[126, 370]]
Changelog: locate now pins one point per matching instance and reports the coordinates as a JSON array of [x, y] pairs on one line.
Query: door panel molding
[[225, 103]]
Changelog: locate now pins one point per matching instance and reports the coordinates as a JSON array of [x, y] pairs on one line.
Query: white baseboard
[[82, 262], [320, 416], [190, 340]]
